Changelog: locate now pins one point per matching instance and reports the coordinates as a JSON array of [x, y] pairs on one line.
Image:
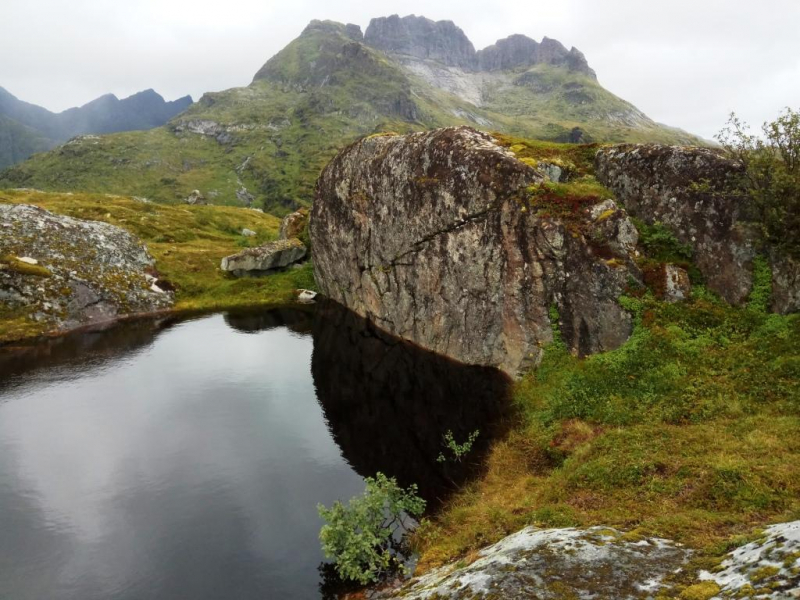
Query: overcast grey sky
[[684, 63]]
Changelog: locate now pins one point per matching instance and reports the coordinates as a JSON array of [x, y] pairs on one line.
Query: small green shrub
[[361, 537], [459, 451], [771, 174]]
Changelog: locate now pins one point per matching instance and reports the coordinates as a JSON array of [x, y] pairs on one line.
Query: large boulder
[[264, 259], [694, 192], [66, 273], [435, 237]]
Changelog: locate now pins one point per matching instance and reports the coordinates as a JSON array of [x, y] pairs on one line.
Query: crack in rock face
[[552, 564], [432, 237]]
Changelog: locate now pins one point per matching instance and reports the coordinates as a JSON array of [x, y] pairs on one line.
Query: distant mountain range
[[265, 144], [26, 128]]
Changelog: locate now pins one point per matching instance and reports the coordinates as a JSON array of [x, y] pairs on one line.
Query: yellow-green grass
[[187, 242], [689, 431]]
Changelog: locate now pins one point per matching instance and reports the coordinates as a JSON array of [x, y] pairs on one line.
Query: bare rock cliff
[[431, 236]]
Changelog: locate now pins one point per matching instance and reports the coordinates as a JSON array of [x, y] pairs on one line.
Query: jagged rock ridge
[[444, 42]]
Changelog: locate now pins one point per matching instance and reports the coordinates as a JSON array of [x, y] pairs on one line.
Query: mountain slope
[[266, 143], [106, 114], [18, 142]]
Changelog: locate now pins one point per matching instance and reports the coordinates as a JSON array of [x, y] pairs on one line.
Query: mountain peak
[[420, 37], [443, 41]]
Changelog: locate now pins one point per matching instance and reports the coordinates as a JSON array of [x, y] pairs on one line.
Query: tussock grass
[[688, 431]]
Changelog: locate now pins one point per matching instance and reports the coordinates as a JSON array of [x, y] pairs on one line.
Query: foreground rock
[[767, 568], [264, 259], [432, 237], [555, 564], [67, 272], [693, 192]]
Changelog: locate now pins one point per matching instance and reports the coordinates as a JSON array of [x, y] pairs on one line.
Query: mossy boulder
[[447, 239], [555, 564], [64, 272], [696, 193]]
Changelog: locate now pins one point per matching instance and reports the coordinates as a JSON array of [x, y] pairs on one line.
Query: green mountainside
[[265, 144], [26, 128], [17, 142]]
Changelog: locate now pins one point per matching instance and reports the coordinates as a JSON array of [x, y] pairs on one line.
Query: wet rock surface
[[431, 237], [693, 191], [555, 564], [264, 259], [69, 272]]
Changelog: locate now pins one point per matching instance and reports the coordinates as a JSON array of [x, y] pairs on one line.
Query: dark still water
[[186, 460]]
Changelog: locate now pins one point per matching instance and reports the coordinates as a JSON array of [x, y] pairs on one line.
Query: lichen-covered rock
[[694, 192], [293, 224], [264, 259], [432, 237], [67, 272], [553, 564], [767, 568]]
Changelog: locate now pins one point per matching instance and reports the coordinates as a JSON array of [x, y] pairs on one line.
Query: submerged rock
[[553, 564], [264, 259], [433, 237], [694, 192], [67, 272]]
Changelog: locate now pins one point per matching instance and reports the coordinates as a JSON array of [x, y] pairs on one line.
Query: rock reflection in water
[[389, 403], [79, 350], [255, 320]]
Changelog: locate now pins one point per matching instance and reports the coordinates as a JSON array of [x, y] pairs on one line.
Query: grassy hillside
[[187, 242], [323, 91]]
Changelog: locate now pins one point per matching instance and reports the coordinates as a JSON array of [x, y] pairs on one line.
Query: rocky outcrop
[[766, 568], [446, 43], [693, 191], [195, 198], [419, 37], [264, 259], [66, 272], [553, 564], [293, 224], [435, 238], [521, 51]]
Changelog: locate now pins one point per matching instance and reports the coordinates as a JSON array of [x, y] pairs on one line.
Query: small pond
[[185, 459]]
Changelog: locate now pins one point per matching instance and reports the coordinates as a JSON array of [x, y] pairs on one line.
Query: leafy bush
[[361, 537], [458, 451], [771, 173]]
